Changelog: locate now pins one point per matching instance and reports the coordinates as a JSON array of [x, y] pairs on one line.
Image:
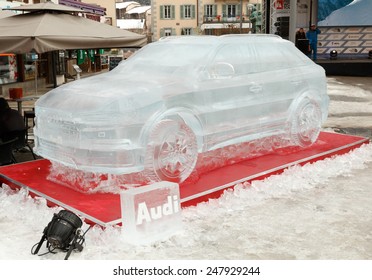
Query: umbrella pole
[[54, 61]]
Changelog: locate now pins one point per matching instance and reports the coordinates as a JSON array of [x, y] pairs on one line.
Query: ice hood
[[98, 92]]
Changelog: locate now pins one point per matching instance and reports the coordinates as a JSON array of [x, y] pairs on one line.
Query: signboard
[[279, 4], [114, 61], [151, 213], [347, 41]]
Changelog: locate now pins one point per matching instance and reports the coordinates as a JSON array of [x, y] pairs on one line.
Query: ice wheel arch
[[171, 152], [306, 122]]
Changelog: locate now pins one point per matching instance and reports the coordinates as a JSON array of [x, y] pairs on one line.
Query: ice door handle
[[255, 88], [296, 82]]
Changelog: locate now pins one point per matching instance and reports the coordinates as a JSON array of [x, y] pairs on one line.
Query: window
[[210, 12], [61, 64], [120, 13], [167, 12], [167, 32], [241, 56], [280, 57], [231, 10], [30, 64], [186, 31], [208, 31], [8, 68], [187, 11]]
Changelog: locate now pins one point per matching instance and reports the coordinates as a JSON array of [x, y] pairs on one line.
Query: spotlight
[[62, 232], [370, 54], [333, 54]]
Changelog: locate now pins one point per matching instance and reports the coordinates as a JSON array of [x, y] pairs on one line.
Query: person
[[10, 121], [312, 35], [301, 41], [300, 34]]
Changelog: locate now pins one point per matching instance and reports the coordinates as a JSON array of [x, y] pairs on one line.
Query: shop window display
[[8, 68]]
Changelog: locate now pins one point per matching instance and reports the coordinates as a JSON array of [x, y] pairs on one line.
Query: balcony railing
[[221, 19]]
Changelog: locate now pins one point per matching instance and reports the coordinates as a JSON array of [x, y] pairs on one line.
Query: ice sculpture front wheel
[[172, 151], [306, 123]]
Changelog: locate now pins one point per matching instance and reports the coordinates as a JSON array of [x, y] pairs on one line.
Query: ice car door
[[233, 93], [282, 76]]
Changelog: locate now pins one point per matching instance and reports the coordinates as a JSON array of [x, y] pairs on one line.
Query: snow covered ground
[[321, 211]]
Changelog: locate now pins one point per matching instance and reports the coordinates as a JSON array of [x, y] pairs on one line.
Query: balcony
[[226, 24], [221, 19]]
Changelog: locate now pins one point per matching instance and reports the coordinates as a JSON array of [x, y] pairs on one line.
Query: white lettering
[[170, 207], [143, 213], [176, 204], [154, 213]]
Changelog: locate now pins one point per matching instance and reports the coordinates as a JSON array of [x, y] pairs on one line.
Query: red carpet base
[[104, 209]]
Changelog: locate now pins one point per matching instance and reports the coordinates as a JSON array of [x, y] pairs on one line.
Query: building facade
[[210, 17], [109, 5]]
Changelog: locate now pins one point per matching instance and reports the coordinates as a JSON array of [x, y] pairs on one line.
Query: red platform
[[104, 209]]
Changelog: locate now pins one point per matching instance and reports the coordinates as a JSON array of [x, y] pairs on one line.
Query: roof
[[124, 5], [87, 7], [44, 7], [130, 23]]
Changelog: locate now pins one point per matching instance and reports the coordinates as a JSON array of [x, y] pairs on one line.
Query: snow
[[320, 211], [351, 105], [124, 5], [139, 10], [130, 23]]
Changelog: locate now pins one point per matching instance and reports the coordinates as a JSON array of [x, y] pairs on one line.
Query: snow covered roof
[[130, 23], [124, 5], [139, 10]]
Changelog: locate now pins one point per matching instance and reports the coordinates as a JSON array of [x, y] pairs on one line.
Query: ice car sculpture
[[184, 103]]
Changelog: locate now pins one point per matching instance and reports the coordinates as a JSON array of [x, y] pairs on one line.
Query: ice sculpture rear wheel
[[306, 123], [172, 151]]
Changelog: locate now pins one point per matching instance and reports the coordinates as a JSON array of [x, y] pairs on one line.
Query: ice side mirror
[[222, 70]]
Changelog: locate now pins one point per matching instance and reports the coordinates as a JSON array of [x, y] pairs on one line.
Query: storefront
[[31, 66]]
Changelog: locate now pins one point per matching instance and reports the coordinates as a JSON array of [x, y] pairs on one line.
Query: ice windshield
[[165, 58]]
